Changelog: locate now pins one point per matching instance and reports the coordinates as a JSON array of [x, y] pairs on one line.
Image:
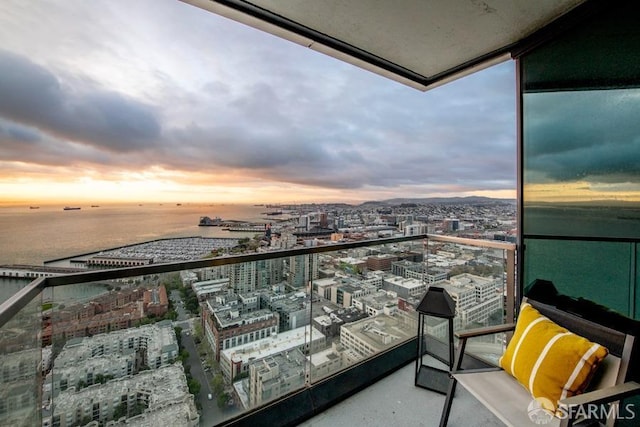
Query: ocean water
[[575, 221], [33, 236]]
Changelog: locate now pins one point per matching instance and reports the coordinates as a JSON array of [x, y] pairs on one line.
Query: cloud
[[575, 136], [167, 85], [32, 95]]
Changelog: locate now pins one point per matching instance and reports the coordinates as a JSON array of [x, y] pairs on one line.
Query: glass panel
[[117, 355], [209, 343], [476, 278], [602, 52], [581, 156], [581, 150], [22, 362], [579, 269], [363, 303], [258, 327]]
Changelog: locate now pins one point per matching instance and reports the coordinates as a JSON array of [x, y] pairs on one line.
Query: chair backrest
[[619, 344]]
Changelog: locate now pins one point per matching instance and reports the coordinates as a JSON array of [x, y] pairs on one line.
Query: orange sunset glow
[[187, 106]]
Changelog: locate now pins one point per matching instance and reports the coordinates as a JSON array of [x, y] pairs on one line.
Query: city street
[[178, 305], [210, 413]]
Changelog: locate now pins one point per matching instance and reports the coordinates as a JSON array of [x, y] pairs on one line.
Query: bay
[[32, 236]]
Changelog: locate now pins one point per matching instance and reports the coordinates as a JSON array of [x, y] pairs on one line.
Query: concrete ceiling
[[421, 43]]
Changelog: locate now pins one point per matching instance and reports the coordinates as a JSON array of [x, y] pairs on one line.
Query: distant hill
[[470, 200]]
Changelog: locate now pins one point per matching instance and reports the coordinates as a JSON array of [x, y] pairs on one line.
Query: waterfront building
[[117, 261], [19, 271]]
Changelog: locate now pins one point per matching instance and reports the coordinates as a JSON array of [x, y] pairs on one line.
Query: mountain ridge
[[442, 201]]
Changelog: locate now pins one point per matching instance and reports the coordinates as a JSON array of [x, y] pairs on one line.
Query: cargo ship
[[70, 208]]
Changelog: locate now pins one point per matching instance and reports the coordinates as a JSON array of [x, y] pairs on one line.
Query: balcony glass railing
[[208, 341]]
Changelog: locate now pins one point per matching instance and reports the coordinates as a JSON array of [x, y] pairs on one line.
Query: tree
[[218, 384], [222, 400], [194, 386]]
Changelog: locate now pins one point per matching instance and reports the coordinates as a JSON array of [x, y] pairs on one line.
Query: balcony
[[275, 337], [577, 85]]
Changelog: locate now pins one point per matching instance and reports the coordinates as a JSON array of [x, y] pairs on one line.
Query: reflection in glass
[[210, 343], [581, 157], [21, 367], [116, 355]]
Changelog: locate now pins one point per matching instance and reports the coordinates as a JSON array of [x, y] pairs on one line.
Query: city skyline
[[164, 102]]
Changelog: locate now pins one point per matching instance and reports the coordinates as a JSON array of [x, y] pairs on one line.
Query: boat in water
[[34, 207], [71, 208], [205, 221]]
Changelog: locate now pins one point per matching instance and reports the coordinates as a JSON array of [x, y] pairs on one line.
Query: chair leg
[[444, 419]]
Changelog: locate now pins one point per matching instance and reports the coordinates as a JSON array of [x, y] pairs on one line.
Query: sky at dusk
[[157, 100]]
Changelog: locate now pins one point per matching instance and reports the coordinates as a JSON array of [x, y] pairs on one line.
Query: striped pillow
[[547, 359]]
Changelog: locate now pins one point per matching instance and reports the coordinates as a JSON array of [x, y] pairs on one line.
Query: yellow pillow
[[547, 359]]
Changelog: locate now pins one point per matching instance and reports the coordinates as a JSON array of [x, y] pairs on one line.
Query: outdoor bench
[[514, 405]]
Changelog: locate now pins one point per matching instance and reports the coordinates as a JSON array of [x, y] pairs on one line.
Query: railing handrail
[[20, 299], [494, 244]]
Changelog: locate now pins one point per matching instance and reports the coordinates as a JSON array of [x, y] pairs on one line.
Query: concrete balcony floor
[[395, 401]]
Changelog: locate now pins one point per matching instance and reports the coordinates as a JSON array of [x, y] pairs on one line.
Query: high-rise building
[[301, 269], [242, 277]]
